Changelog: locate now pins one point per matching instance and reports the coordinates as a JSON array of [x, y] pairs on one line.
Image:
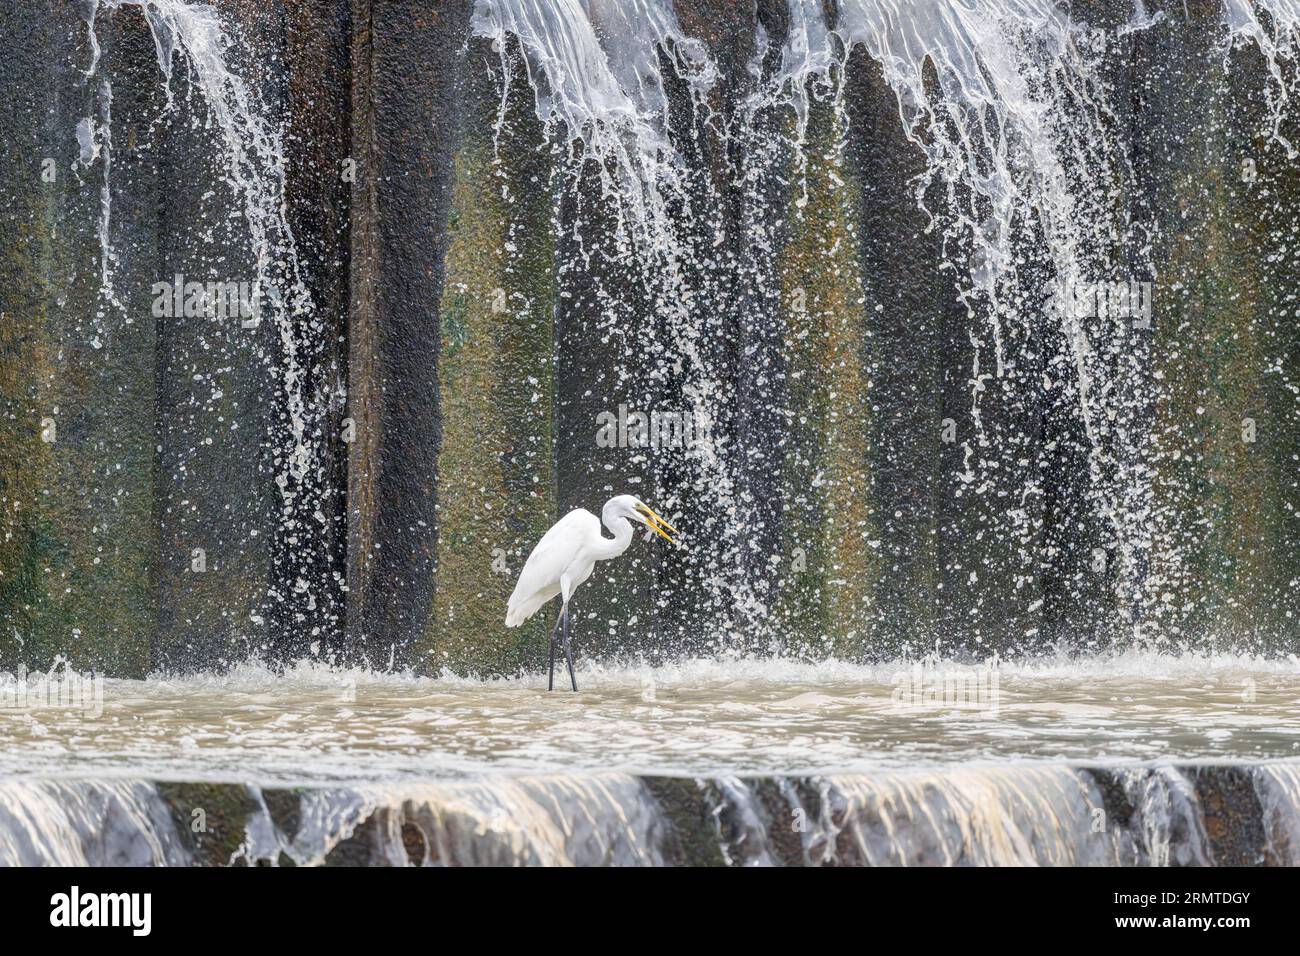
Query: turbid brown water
[[314, 724], [1139, 759]]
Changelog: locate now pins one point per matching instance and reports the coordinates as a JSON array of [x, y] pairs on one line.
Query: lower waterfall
[[971, 816]]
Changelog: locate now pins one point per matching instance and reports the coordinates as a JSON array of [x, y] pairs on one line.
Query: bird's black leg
[[550, 681], [568, 648]]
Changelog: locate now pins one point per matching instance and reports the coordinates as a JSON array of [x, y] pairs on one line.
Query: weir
[[846, 238], [950, 333], [977, 817]]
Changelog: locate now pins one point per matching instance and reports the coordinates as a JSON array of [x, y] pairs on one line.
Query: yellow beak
[[657, 523]]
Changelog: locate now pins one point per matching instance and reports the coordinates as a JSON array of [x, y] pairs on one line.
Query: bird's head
[[634, 509]]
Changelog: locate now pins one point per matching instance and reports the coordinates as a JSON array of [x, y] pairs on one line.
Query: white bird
[[565, 557]]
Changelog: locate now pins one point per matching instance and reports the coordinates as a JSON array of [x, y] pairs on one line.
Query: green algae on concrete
[[1224, 565], [910, 301], [211, 818], [1266, 185], [496, 481]]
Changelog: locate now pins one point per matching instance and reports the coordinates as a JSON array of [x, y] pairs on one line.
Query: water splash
[[95, 143], [195, 35]]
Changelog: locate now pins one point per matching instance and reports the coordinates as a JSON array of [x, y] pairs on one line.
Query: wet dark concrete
[[405, 56]]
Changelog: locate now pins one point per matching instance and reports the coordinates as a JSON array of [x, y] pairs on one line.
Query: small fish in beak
[[655, 523]]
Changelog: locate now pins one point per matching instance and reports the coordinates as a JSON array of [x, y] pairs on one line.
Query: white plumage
[[566, 556], [559, 551]]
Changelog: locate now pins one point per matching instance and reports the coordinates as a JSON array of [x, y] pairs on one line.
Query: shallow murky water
[[317, 725]]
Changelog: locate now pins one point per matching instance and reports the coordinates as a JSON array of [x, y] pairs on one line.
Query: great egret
[[565, 556]]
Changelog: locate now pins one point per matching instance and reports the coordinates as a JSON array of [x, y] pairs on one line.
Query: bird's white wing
[[539, 581]]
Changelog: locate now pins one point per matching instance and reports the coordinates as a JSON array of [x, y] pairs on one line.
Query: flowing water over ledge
[[983, 308], [1135, 760]]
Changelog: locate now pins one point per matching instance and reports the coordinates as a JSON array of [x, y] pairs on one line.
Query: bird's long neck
[[608, 548]]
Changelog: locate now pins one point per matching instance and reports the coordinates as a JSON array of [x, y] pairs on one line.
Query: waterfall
[[1020, 816], [957, 337], [969, 816], [606, 99], [598, 71], [954, 326], [195, 35], [86, 823], [1031, 182], [600, 820]]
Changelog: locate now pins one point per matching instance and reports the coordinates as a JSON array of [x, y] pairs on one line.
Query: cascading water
[[251, 142], [968, 817], [717, 260], [1030, 179], [255, 164], [974, 322], [73, 823], [1278, 786]]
